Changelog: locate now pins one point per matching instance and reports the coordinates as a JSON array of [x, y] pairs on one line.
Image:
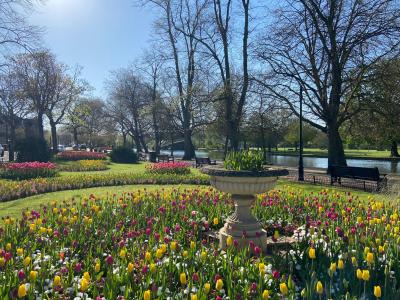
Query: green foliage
[[124, 155], [244, 161], [32, 149]]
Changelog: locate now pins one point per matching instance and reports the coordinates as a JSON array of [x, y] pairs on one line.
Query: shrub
[[85, 165], [28, 170], [80, 155], [179, 168], [32, 149], [123, 155], [244, 161]]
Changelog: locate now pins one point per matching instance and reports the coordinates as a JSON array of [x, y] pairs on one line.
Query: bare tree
[[327, 48], [15, 32], [129, 91], [178, 25], [216, 37], [37, 74], [151, 66]]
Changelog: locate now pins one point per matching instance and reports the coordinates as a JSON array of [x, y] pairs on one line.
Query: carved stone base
[[242, 226]]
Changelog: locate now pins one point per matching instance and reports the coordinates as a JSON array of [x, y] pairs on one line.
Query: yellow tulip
[[33, 275], [359, 274], [219, 285], [84, 284], [207, 288], [173, 246], [57, 280], [182, 278], [365, 275], [261, 268], [377, 291], [192, 245], [229, 241], [265, 295], [370, 258], [354, 261], [2, 262], [332, 268], [148, 256], [8, 246], [97, 267], [21, 291], [153, 268], [215, 221], [27, 261], [203, 255], [185, 254], [283, 288], [194, 297], [130, 267], [122, 254], [311, 253], [340, 264], [159, 253], [147, 295], [86, 275], [20, 251], [319, 288]]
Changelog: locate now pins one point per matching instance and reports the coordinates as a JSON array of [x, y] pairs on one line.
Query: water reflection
[[309, 162]]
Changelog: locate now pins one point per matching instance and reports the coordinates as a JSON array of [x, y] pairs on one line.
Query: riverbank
[[350, 154]]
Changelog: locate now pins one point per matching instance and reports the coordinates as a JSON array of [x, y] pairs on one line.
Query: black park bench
[[165, 158], [357, 173], [200, 161]]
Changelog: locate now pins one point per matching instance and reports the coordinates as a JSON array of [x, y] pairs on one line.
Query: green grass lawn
[[119, 168], [349, 153], [14, 208]]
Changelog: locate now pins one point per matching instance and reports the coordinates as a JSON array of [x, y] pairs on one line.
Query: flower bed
[[151, 245], [81, 155], [180, 168], [10, 190], [85, 165], [27, 170]]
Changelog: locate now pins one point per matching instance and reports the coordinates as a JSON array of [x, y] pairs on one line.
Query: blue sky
[[99, 35]]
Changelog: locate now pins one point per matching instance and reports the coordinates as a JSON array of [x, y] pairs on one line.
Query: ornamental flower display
[[157, 245], [28, 170], [81, 155], [169, 168]]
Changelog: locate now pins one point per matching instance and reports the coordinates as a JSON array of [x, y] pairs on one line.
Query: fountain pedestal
[[242, 226]]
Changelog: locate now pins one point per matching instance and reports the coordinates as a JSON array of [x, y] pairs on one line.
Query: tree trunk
[[335, 147], [124, 139], [393, 149], [142, 141], [12, 142], [137, 143], [188, 145], [234, 136], [40, 125], [54, 140], [75, 134]]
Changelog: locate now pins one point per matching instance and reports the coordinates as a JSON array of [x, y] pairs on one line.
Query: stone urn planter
[[242, 226]]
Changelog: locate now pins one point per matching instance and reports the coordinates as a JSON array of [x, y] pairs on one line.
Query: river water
[[384, 167]]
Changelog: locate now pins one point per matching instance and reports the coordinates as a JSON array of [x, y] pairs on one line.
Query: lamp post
[[301, 165]]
